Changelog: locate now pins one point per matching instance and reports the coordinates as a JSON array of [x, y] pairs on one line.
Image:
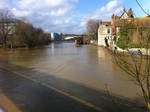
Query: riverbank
[[115, 48]]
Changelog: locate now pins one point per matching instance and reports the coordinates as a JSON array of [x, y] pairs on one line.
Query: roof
[[120, 23], [142, 22], [137, 22], [9, 20], [129, 13], [107, 23]]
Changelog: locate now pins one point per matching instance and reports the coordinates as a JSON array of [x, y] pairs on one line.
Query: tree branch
[[142, 8]]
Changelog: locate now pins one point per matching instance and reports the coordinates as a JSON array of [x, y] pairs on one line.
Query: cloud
[[53, 7], [105, 12], [51, 15], [59, 15], [4, 4]]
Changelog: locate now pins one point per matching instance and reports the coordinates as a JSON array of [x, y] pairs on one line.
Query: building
[[118, 21], [108, 31], [7, 28], [104, 33], [56, 36]]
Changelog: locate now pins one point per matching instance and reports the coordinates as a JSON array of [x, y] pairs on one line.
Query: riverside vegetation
[[134, 34], [18, 33], [26, 35]]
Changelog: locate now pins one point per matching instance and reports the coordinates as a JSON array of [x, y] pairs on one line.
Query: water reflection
[[89, 65]]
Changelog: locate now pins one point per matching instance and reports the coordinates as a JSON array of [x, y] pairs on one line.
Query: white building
[[104, 33]]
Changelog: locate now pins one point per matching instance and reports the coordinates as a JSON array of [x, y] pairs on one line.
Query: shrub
[[122, 44], [136, 45], [26, 35]]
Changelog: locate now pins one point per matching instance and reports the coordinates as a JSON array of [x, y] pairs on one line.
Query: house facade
[[104, 33], [108, 31]]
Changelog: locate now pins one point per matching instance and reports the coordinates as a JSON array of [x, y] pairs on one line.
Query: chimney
[[124, 10]]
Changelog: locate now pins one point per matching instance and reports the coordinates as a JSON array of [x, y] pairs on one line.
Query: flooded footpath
[[62, 75]]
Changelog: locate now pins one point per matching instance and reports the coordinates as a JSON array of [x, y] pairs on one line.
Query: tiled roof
[[141, 22], [129, 13], [137, 22], [119, 23], [108, 23]]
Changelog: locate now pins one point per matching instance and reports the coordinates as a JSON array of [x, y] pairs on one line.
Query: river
[[88, 65]]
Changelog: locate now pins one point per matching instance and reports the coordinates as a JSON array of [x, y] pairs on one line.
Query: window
[[108, 31]]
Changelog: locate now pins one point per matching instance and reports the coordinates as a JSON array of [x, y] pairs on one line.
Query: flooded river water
[[88, 65]]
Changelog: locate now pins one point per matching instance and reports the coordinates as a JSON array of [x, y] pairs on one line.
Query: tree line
[[26, 35], [18, 33]]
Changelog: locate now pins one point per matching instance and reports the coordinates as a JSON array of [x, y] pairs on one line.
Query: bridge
[[72, 37]]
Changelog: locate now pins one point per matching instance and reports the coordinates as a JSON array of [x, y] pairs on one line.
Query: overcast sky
[[69, 16]]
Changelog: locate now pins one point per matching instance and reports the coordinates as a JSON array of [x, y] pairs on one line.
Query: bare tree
[[6, 25], [142, 8], [137, 65], [92, 29]]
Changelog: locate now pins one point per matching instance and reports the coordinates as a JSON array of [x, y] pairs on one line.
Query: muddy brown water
[[87, 65]]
